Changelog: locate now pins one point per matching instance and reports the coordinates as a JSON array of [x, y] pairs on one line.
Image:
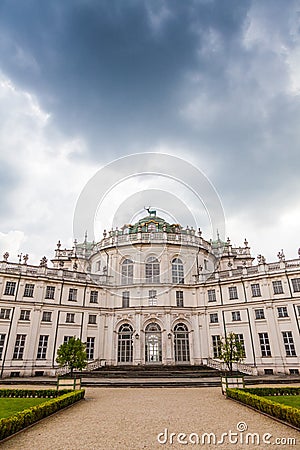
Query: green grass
[[290, 400], [10, 406]]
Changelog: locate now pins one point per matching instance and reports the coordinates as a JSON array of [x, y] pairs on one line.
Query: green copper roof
[[153, 223]]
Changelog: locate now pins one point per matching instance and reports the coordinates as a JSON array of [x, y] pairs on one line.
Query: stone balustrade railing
[[247, 369], [94, 365], [158, 237], [35, 271]]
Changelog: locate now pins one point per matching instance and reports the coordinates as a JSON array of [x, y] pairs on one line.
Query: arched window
[[177, 271], [125, 343], [127, 271], [181, 343], [153, 343], [152, 270]]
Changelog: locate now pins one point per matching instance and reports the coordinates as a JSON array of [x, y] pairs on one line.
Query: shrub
[[32, 393], [283, 412], [57, 400], [266, 391]]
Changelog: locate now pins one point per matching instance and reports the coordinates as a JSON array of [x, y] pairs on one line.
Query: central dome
[[152, 223]]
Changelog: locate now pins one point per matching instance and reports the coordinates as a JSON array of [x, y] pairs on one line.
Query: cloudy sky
[[84, 82]]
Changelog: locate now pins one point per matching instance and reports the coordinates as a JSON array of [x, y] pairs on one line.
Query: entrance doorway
[[153, 344], [181, 344], [125, 343]]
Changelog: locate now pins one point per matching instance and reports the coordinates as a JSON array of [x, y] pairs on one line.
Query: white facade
[[150, 293]]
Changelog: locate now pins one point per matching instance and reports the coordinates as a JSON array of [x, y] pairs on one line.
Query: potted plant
[[71, 354], [231, 351]]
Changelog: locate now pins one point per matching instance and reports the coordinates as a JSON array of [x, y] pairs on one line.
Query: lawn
[[10, 406], [290, 400]]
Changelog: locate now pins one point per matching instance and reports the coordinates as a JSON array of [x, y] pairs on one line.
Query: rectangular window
[[70, 318], [72, 295], [42, 348], [50, 291], [90, 347], [236, 316], [259, 314], [240, 339], [232, 293], [19, 346], [92, 319], [47, 316], [296, 284], [10, 288], [152, 297], [4, 313], [98, 266], [25, 314], [179, 299], [282, 311], [289, 343], [277, 287], [211, 295], [94, 297], [216, 344], [264, 344], [255, 288], [2, 340], [213, 318], [28, 291], [66, 339], [298, 307], [125, 299]]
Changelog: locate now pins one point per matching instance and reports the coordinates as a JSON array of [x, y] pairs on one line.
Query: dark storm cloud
[[115, 70], [215, 79]]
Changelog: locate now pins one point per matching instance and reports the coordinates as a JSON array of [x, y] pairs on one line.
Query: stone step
[[160, 374], [152, 372], [151, 383]]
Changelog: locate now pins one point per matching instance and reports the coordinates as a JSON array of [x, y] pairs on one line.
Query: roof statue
[[151, 213]]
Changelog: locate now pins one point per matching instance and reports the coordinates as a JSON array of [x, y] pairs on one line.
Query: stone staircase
[[151, 376], [153, 371]]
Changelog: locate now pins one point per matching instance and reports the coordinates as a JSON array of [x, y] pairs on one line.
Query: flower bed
[[55, 400], [254, 397]]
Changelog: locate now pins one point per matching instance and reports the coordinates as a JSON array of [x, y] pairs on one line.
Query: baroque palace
[[150, 293]]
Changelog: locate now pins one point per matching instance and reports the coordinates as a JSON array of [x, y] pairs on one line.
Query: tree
[[72, 354], [231, 350]]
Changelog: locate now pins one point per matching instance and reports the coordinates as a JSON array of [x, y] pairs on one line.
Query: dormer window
[[152, 227]]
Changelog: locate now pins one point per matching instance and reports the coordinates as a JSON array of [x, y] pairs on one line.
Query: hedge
[[32, 393], [283, 412], [23, 419], [266, 391]]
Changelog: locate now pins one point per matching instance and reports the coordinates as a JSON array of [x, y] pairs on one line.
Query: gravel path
[[132, 418]]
